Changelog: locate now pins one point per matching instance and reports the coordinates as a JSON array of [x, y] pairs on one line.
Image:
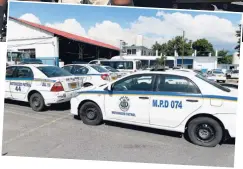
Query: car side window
[[174, 83], [24, 72], [68, 68], [10, 72], [80, 70], [135, 83]]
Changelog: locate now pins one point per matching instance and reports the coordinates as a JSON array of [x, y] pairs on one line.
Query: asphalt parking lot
[[56, 134]]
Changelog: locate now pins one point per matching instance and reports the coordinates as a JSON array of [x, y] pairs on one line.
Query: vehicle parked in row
[[111, 69], [201, 109], [91, 74], [228, 73], [40, 85], [217, 75], [14, 57], [124, 66], [234, 74]]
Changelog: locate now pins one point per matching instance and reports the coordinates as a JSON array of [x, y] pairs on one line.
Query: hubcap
[[91, 113], [205, 132], [36, 102]]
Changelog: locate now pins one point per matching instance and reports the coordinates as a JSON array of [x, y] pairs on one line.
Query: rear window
[[118, 64], [99, 69], [111, 69], [213, 83], [218, 72], [236, 71], [53, 71]]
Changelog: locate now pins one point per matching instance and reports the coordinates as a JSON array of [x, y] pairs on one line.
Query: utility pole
[[183, 48]]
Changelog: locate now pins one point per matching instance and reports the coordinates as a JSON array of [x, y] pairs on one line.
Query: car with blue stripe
[[178, 101], [91, 74], [40, 85]]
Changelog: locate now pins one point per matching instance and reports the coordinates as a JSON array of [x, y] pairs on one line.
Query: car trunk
[[69, 83]]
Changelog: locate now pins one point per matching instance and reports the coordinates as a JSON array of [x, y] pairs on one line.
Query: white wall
[[236, 58], [139, 52], [21, 36], [205, 63], [44, 47]]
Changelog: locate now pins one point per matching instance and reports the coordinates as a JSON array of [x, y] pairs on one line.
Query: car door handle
[[143, 98], [192, 101]]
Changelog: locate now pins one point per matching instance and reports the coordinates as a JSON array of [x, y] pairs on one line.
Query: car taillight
[[105, 76], [57, 87]]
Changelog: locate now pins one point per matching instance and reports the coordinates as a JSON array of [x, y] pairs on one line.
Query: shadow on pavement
[[54, 107], [230, 141], [145, 129]]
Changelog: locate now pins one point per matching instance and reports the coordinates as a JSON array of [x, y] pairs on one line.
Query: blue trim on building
[[53, 61], [185, 61]]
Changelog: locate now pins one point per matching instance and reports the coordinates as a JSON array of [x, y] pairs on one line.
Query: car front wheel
[[205, 131], [90, 114]]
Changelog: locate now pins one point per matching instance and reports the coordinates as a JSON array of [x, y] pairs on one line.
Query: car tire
[[37, 102], [205, 131], [87, 84], [90, 114]]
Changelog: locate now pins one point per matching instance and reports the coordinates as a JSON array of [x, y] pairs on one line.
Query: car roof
[[30, 65], [82, 64], [171, 72]]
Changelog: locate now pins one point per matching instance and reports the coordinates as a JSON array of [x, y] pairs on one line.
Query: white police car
[[40, 85], [217, 75], [92, 74], [202, 109]]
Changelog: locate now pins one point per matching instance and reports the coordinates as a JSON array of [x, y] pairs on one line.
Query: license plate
[[113, 78], [73, 85]]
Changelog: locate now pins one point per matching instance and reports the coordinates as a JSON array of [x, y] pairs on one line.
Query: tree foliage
[[203, 47], [172, 45], [225, 58]]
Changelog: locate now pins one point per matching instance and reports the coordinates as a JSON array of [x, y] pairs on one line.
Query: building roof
[[66, 34]]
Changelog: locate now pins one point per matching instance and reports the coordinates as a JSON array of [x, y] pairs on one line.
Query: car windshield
[[213, 83], [53, 71], [99, 69], [111, 69], [236, 71]]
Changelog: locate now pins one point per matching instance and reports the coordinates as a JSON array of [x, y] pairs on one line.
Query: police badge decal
[[124, 103]]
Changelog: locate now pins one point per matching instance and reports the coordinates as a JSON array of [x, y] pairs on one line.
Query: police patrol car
[[40, 85], [91, 74], [216, 75], [179, 101]]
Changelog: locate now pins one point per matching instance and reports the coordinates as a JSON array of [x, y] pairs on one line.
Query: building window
[[31, 52], [129, 52], [134, 51]]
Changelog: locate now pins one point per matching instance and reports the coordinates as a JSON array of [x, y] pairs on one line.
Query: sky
[[112, 24]]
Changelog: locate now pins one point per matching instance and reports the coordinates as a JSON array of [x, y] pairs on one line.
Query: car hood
[[233, 92]]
